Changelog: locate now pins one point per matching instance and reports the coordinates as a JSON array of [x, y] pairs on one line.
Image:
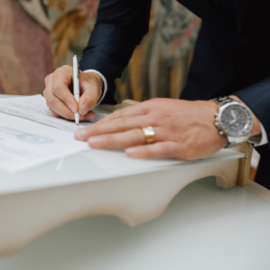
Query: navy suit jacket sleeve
[[257, 98], [120, 26]]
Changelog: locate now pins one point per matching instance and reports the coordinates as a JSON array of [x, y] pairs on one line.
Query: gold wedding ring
[[149, 134]]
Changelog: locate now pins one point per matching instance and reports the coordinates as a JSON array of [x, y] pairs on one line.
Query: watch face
[[236, 120]]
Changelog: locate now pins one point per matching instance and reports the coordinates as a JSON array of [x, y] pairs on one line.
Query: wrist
[[256, 130], [211, 108]]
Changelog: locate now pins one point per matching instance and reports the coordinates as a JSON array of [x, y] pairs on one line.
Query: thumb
[[91, 89]]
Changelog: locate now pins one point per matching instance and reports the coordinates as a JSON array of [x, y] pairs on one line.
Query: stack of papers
[[30, 135]]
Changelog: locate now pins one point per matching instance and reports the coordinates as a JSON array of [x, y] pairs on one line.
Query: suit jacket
[[232, 53]]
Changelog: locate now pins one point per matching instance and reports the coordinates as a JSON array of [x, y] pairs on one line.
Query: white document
[[35, 109], [27, 143]]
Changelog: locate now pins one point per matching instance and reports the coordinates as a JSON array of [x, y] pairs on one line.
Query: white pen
[[76, 86]]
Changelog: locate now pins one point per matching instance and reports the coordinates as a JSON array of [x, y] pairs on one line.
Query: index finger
[[134, 110], [62, 79]]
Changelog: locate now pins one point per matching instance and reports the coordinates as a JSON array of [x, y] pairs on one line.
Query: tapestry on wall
[[40, 35]]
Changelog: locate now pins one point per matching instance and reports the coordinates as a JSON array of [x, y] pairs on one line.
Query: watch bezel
[[246, 127]]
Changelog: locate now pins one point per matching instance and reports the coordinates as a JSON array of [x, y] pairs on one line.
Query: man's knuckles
[[136, 138], [56, 114], [50, 101], [153, 102], [48, 79], [67, 115], [57, 88], [64, 68]]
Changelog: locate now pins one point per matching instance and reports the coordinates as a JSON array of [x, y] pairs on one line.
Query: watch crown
[[216, 114], [216, 124], [221, 132]]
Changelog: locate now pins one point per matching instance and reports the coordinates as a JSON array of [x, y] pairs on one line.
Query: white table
[[204, 228]]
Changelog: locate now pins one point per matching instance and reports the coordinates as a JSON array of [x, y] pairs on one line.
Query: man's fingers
[[118, 140], [62, 79], [134, 110], [114, 126], [48, 80], [88, 117], [61, 91], [87, 103], [91, 89], [156, 151], [122, 140], [55, 114], [62, 102], [59, 108]]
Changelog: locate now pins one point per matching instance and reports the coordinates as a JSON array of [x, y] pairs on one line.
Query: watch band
[[223, 100], [235, 142]]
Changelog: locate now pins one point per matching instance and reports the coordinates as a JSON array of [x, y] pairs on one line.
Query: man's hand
[[184, 130], [60, 99]]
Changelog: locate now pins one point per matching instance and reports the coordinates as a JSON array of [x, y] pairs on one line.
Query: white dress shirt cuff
[[105, 85], [259, 139]]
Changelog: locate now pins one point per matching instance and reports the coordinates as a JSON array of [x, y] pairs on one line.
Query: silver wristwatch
[[234, 120]]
